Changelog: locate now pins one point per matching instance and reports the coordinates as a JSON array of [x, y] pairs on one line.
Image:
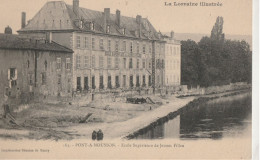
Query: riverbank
[[205, 101], [64, 121]]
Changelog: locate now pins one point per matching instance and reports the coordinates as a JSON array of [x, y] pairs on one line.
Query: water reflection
[[214, 120]]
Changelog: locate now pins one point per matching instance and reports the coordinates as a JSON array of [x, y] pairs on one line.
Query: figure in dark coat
[[94, 135], [99, 135]]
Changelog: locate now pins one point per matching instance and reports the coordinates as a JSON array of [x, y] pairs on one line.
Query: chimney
[[8, 30], [76, 7], [107, 13], [118, 18], [49, 37], [172, 34], [106, 17], [139, 22], [23, 20]]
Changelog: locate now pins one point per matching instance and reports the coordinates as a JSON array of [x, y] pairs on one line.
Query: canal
[[226, 117]]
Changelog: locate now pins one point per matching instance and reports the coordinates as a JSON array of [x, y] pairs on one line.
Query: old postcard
[[117, 79]]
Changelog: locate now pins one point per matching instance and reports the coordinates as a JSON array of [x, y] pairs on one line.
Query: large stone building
[[172, 61], [110, 50], [30, 68]]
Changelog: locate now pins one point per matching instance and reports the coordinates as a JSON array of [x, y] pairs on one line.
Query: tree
[[189, 68], [217, 30], [214, 60]]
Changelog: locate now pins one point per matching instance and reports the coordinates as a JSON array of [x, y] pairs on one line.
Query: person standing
[[99, 135], [6, 106], [94, 135]]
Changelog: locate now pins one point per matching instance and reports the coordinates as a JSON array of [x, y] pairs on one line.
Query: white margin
[[255, 82]]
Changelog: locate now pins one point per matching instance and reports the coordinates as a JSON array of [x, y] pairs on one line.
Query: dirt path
[[119, 130]]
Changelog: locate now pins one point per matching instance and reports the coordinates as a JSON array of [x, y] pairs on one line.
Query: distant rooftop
[[16, 42], [57, 16]]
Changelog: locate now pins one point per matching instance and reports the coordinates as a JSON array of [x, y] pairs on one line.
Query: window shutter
[[15, 77], [8, 74]]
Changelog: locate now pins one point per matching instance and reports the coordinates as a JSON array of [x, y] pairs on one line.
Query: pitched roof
[[57, 15], [9, 41]]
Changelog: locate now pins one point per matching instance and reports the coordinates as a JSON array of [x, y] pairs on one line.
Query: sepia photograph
[[114, 79]]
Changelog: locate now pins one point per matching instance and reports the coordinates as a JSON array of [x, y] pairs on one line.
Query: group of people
[[97, 135]]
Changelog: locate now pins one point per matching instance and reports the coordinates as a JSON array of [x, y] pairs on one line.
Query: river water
[[228, 117]]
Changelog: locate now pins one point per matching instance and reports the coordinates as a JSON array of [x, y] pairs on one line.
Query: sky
[[237, 14]]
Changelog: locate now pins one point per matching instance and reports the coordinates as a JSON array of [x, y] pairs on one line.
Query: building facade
[[172, 61], [30, 68], [110, 50]]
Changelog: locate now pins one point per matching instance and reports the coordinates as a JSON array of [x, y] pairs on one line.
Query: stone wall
[[27, 86]]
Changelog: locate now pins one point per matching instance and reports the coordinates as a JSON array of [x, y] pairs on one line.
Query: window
[[109, 45], [131, 47], [116, 62], [68, 63], [130, 63], [101, 44], [144, 63], [78, 61], [137, 63], [116, 46], [93, 43], [86, 61], [45, 65], [30, 79], [124, 31], [137, 81], [108, 62], [101, 62], [93, 61], [150, 80], [124, 63], [101, 83], [124, 80], [109, 83], [137, 47], [117, 82], [131, 83], [58, 63], [78, 83], [108, 29], [12, 75], [163, 64], [43, 75], [92, 26], [144, 48], [86, 87], [157, 63], [59, 79], [124, 46], [28, 64], [150, 65], [80, 24], [150, 49], [86, 42], [78, 41], [144, 81], [93, 82]]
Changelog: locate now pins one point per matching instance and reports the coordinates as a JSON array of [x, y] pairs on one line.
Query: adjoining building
[[172, 61], [110, 50], [31, 68]]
